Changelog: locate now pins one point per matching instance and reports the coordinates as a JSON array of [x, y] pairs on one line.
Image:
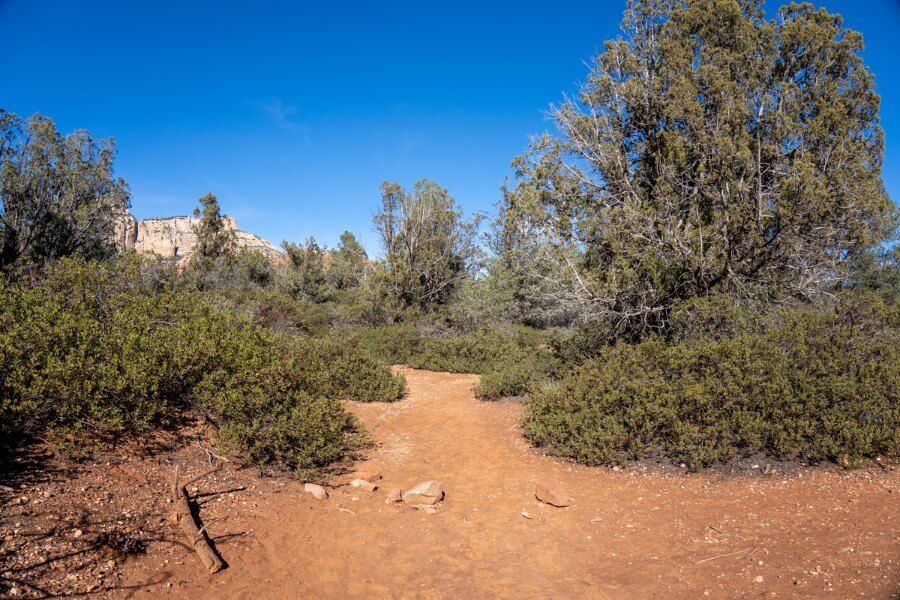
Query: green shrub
[[476, 352], [509, 359], [713, 317], [89, 350], [263, 411], [392, 344], [821, 385], [277, 311], [516, 374], [339, 368]]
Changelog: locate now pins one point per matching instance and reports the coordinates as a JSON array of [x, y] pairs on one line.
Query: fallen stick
[[749, 551], [196, 534]]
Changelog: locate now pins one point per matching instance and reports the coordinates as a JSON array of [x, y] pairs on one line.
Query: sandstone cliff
[[174, 237]]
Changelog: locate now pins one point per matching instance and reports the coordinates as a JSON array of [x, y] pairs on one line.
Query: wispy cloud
[[285, 116], [408, 142]]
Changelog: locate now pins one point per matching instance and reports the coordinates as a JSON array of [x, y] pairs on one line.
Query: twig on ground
[[210, 455], [748, 551]]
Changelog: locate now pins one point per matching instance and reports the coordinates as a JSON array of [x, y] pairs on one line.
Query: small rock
[[317, 491], [758, 579], [427, 492], [77, 533], [395, 495], [367, 475], [525, 514], [552, 494], [366, 485]]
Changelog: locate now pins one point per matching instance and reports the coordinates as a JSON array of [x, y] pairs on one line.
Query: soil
[[635, 533]]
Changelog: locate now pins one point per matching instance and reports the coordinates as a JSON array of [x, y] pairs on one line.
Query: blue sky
[[293, 113]]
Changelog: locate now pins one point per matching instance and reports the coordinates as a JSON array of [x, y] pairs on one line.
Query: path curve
[[626, 534]]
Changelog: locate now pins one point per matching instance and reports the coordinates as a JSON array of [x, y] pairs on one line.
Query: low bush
[[339, 368], [509, 359], [515, 375], [392, 344], [89, 350], [821, 384], [476, 352]]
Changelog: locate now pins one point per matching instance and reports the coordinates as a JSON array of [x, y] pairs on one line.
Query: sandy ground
[[629, 534], [635, 533]]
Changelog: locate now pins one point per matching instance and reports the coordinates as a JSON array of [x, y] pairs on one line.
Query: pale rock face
[[173, 238]]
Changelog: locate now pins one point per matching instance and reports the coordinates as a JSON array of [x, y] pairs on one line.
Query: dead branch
[[184, 516]]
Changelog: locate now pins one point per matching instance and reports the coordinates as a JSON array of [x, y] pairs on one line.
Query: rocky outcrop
[[174, 238]]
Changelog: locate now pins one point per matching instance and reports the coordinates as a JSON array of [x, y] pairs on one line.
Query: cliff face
[[174, 238]]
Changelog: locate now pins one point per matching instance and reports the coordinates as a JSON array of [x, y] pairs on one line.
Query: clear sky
[[293, 113]]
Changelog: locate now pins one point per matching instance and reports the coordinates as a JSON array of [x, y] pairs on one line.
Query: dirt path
[[825, 533]]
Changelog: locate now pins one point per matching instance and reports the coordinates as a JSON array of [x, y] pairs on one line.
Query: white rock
[[366, 485], [317, 491], [427, 492]]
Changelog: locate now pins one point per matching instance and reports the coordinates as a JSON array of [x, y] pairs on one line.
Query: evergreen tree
[[307, 278], [58, 195], [710, 150], [348, 263], [429, 245], [214, 239]]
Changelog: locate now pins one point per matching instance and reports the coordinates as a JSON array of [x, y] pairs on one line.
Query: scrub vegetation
[[699, 265]]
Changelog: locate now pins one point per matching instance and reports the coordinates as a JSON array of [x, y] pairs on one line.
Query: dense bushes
[[509, 358], [820, 385], [90, 350]]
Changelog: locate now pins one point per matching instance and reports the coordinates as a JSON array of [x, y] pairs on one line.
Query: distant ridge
[[173, 238]]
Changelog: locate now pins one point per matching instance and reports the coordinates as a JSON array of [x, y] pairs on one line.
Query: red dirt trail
[[821, 532]]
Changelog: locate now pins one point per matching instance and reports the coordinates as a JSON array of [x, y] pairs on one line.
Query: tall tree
[[429, 244], [58, 195], [710, 149], [214, 238], [307, 278], [347, 263]]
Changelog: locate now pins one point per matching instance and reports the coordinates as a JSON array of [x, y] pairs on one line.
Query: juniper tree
[[429, 244], [58, 194], [214, 238], [347, 263], [710, 149], [306, 278]]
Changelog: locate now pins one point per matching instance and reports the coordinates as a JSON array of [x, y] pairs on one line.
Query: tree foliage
[[306, 278], [348, 263], [214, 238], [429, 244], [711, 149], [58, 194]]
